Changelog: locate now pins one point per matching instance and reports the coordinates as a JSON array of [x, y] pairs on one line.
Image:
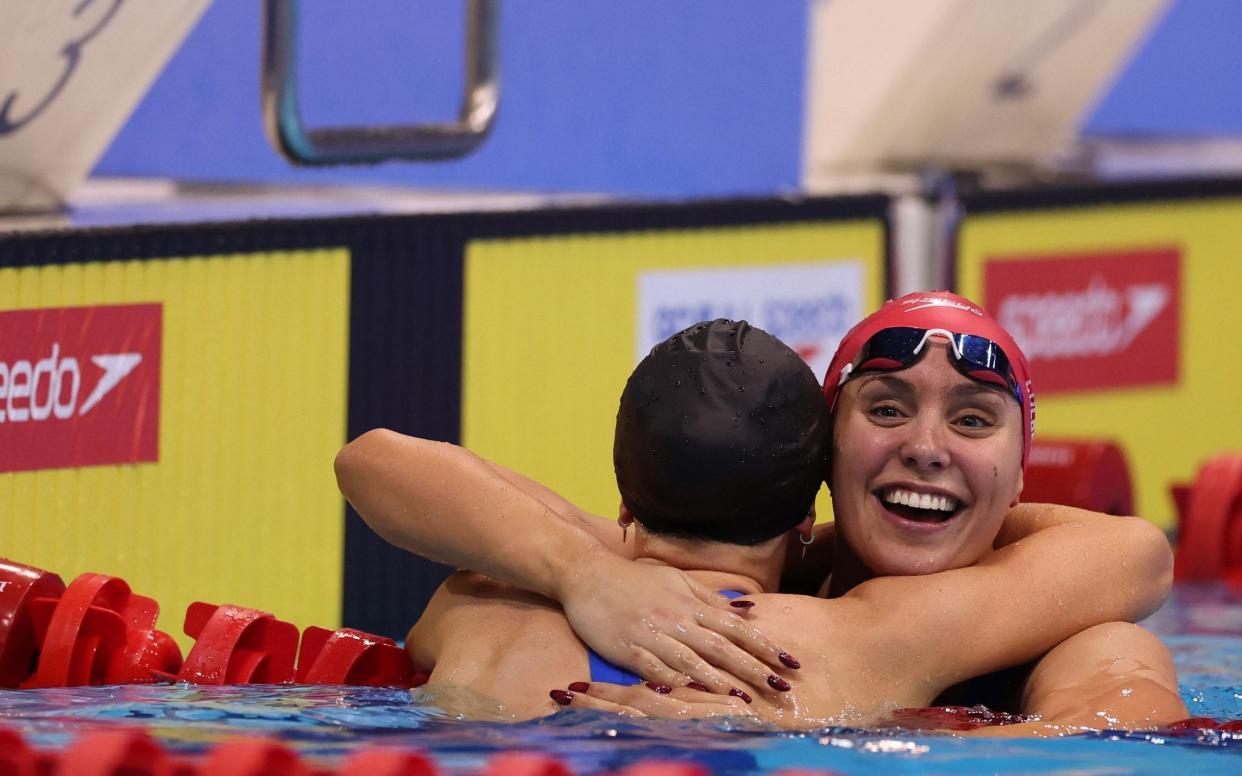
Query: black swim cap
[[722, 434]]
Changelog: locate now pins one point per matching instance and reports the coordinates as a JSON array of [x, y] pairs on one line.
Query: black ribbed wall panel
[[404, 374]]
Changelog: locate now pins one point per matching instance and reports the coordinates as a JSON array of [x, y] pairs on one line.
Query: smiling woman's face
[[925, 464]]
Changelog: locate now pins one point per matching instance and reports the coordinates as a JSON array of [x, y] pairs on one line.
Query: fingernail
[[789, 660], [697, 686], [561, 697], [579, 686], [663, 689], [777, 683], [741, 604], [736, 693]]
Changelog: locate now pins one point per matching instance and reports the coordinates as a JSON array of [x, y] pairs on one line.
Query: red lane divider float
[[105, 753], [15, 757], [387, 762], [1196, 724], [235, 645], [1089, 474], [525, 764], [1209, 545], [672, 769], [19, 586], [98, 631], [253, 757], [348, 656]]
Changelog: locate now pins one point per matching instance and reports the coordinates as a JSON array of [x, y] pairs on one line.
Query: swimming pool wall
[[511, 332], [279, 340]]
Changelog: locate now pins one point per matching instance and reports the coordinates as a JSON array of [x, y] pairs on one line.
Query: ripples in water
[[1203, 628]]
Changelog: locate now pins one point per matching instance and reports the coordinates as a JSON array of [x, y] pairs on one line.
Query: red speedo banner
[[1091, 320], [79, 386]]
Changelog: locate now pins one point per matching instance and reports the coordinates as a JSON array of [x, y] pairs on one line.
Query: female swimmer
[[932, 412]]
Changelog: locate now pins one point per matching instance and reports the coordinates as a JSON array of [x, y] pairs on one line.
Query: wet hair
[[722, 434]]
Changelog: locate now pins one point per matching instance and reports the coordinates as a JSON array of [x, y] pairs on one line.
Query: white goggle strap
[[950, 336]]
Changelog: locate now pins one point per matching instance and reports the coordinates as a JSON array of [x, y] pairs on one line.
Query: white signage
[[70, 74], [809, 306]]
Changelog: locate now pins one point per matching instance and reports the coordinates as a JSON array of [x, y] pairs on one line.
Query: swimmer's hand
[[664, 626], [650, 700]]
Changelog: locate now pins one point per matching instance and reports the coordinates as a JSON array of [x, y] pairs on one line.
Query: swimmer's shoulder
[[474, 608], [492, 639]]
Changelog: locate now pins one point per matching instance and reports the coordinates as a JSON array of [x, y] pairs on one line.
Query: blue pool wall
[[644, 98]]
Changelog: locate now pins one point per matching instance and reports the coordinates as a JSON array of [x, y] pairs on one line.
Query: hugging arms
[[919, 449]]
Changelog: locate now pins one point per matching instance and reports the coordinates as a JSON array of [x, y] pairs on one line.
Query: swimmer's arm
[[1020, 601], [1147, 591], [1027, 519], [604, 531], [446, 504], [1115, 676]]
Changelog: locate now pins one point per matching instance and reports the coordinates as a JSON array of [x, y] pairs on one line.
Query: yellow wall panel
[[241, 506], [551, 326], [1166, 431]]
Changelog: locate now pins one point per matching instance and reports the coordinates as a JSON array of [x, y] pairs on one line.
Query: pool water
[[1202, 626]]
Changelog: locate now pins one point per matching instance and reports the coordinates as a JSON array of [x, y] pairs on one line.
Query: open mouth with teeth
[[919, 507]]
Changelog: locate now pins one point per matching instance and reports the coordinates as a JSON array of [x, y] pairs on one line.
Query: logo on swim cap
[[923, 302]]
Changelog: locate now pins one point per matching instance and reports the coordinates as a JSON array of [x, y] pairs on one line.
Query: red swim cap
[[936, 310]]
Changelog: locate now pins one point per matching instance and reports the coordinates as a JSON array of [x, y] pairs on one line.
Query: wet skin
[[926, 430]]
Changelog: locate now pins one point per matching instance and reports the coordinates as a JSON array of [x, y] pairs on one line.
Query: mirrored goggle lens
[[980, 358], [890, 349]]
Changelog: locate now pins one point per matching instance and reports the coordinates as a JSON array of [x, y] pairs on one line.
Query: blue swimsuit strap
[[604, 671]]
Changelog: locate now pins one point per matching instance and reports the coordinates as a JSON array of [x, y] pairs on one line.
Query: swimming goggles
[[976, 357]]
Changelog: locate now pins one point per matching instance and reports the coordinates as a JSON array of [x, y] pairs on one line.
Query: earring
[[807, 539], [625, 521]]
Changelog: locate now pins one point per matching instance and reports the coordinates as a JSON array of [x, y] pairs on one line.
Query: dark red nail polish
[[697, 686], [789, 660], [741, 604], [561, 697], [777, 683], [736, 693], [579, 686], [663, 689]]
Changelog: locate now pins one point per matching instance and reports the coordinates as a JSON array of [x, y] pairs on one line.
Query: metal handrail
[[282, 118]]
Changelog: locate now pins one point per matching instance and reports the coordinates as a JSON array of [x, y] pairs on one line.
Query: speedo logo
[[923, 302], [49, 388], [1098, 320], [80, 386]]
